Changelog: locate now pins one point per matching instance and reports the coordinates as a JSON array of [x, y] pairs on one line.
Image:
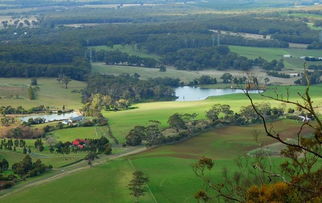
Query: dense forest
[[23, 60], [120, 58]]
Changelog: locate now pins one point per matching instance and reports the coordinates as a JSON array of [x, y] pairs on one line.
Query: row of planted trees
[[186, 125]]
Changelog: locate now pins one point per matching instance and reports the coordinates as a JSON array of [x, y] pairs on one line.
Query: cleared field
[[13, 91], [183, 75], [168, 167], [277, 53], [145, 73], [71, 134]]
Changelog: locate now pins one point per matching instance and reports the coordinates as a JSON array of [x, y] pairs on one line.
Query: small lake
[[51, 117], [188, 93]]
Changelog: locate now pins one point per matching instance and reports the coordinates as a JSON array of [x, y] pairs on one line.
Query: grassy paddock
[[13, 91], [183, 75], [277, 53], [71, 134]]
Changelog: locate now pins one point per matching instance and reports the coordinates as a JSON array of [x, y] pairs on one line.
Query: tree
[[39, 145], [107, 149], [175, 121], [153, 133], [137, 185], [266, 80], [4, 165], [90, 157], [213, 113], [162, 68], [31, 93], [227, 78], [66, 80], [135, 136], [33, 82]]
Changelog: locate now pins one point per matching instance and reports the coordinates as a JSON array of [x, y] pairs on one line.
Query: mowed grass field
[[14, 92], [168, 167], [277, 53]]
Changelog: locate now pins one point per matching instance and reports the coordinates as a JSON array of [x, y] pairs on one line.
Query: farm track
[[62, 172]]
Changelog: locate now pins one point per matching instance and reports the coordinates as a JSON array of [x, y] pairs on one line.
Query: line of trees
[[97, 146], [187, 125], [314, 78], [21, 170], [21, 110], [277, 74], [121, 58]]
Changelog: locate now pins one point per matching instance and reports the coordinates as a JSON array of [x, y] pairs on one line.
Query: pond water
[[188, 93], [51, 117]]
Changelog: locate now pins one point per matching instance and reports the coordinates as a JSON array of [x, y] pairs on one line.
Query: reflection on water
[[188, 93]]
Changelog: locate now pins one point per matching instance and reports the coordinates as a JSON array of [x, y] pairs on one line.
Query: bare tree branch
[[277, 137]]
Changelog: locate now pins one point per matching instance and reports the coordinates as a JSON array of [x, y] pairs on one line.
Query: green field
[[145, 73], [277, 53], [122, 122], [13, 91], [183, 75], [71, 134], [307, 15], [56, 160], [168, 167]]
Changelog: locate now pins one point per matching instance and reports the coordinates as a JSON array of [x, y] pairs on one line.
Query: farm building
[[73, 120]]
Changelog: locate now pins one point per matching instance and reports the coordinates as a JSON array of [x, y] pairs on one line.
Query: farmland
[[172, 163], [184, 75], [96, 84], [277, 53], [51, 93]]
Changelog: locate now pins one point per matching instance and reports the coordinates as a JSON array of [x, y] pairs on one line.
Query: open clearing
[[13, 91], [277, 53], [183, 75]]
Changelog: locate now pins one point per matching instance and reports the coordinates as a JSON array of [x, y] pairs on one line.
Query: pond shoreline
[[195, 93]]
